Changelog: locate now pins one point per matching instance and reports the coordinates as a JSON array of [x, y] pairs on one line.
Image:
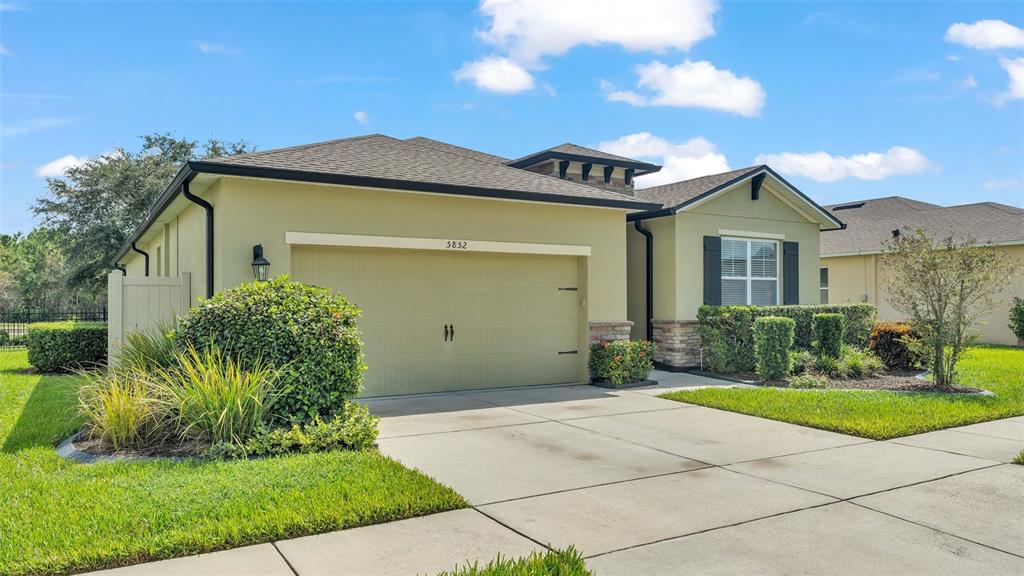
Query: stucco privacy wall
[[854, 279]]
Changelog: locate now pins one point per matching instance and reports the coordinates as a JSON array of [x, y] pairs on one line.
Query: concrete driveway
[[642, 485]]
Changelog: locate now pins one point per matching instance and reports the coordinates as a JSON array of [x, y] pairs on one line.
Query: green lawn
[[552, 563], [57, 516], [882, 415]]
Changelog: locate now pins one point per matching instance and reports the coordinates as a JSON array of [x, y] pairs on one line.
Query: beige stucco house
[[850, 267], [476, 271]]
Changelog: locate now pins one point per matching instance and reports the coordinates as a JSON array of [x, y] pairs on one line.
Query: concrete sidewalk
[[642, 485]]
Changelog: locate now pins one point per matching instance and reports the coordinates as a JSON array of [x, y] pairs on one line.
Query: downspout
[[209, 234], [124, 271], [648, 273], [145, 257]]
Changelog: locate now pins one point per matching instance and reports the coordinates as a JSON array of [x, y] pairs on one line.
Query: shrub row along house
[[472, 270], [850, 263]]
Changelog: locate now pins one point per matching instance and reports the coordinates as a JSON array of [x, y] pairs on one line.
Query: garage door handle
[[453, 333], [445, 332]]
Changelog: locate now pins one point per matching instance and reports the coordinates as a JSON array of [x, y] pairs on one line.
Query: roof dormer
[[586, 166]]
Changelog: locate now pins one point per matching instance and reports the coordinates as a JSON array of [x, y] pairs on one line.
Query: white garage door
[[435, 321]]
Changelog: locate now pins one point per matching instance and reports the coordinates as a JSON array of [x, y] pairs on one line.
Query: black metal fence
[[14, 323]]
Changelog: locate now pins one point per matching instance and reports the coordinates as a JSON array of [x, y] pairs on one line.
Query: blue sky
[[849, 101]]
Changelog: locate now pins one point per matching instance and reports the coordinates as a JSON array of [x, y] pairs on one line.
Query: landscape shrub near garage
[[305, 331], [66, 346], [773, 337], [621, 361], [727, 332], [895, 344]]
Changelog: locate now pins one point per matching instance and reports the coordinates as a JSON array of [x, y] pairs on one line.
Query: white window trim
[[749, 279], [828, 293]]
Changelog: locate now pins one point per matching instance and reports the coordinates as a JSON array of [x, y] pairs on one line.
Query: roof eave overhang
[[875, 252], [828, 222], [641, 168], [185, 174], [194, 168]]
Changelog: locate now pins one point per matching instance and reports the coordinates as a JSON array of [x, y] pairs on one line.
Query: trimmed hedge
[[892, 342], [66, 346], [307, 332], [773, 337], [828, 334], [727, 332], [621, 361]]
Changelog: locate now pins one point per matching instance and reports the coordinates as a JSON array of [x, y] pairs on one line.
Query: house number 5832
[[457, 244]]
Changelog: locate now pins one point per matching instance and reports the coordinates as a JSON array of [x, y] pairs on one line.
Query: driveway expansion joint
[[285, 558]]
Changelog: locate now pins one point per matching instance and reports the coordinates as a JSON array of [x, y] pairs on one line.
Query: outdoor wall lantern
[[260, 265]]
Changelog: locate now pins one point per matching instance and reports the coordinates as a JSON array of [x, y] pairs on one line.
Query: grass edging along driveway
[[58, 516], [882, 415]]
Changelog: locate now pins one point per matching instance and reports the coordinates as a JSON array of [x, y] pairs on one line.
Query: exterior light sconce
[[260, 265]]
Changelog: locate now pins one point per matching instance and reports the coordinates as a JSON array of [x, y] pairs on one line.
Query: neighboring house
[[850, 266], [472, 271]]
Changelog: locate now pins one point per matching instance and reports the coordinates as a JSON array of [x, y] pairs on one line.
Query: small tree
[[944, 286]]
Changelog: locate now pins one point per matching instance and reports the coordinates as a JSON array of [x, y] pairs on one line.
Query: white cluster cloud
[[680, 161], [361, 116], [824, 167], [56, 168], [496, 74], [1015, 68], [994, 35], [525, 31], [986, 35], [528, 30], [696, 85], [217, 48]]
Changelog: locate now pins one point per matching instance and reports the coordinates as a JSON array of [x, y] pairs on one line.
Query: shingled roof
[[570, 151], [475, 154], [422, 164], [676, 193], [871, 222]]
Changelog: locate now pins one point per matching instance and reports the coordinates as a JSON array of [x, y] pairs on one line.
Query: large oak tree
[[95, 206]]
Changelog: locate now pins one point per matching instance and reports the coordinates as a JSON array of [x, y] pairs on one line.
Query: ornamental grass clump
[[773, 337], [214, 398], [121, 409]]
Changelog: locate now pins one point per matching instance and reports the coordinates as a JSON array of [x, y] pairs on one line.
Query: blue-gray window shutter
[[790, 273], [712, 270]]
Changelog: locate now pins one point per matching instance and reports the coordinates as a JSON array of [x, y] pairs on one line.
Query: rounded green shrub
[[621, 361], [66, 346], [305, 331], [773, 337], [828, 334], [5, 338]]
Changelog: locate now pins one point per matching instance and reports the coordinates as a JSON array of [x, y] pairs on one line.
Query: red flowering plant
[[621, 361]]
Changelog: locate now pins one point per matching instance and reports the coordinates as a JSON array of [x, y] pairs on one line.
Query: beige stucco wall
[[253, 211], [679, 267], [860, 279]]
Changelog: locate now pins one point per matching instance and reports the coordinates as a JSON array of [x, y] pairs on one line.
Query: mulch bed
[[183, 450], [895, 380]]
